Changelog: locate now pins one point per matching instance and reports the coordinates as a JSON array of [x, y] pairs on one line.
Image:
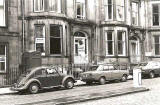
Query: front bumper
[[16, 88]]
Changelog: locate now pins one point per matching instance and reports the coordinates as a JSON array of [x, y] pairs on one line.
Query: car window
[[51, 71], [40, 72], [108, 67]]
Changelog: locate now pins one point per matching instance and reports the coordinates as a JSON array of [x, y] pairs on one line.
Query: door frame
[[85, 37]]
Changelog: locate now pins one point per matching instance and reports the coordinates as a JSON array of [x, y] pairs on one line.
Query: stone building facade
[[85, 31], [10, 39], [79, 31], [152, 50]]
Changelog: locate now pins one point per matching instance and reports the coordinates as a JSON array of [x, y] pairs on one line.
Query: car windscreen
[[93, 68]]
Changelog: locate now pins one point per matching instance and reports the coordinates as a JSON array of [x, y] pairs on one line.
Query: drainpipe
[[23, 26]]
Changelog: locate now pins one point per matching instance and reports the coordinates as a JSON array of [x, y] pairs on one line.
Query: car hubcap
[[102, 81], [124, 78], [34, 88], [152, 75], [70, 84]]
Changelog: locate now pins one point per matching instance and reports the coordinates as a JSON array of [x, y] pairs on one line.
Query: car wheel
[[151, 74], [102, 81], [89, 82], [124, 78], [69, 84], [33, 88]]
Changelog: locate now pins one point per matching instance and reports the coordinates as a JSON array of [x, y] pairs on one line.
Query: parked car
[[43, 77], [103, 73], [151, 69], [140, 65]]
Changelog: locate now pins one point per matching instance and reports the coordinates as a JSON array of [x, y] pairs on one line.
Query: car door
[[156, 67], [41, 75], [53, 77], [107, 72]]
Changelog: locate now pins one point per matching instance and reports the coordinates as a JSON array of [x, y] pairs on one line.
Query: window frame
[[56, 6], [157, 13], [113, 42], [5, 57], [83, 10], [34, 4], [155, 44], [60, 37], [123, 41], [106, 10], [123, 11], [41, 39], [137, 13], [4, 14]]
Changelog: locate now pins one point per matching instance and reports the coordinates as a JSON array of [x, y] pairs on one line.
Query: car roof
[[37, 68]]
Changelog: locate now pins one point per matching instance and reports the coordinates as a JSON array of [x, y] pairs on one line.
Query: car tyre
[[33, 88], [124, 78], [102, 81], [69, 84], [151, 74]]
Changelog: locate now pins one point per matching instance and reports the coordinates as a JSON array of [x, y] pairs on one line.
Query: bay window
[[2, 13], [121, 37], [38, 5], [80, 9], [40, 38], [109, 43], [55, 39]]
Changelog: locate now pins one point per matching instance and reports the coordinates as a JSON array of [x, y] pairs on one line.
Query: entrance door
[[80, 49], [134, 52]]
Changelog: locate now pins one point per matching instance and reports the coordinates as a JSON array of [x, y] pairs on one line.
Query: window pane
[[2, 66], [120, 36], [110, 47], [109, 9], [38, 5], [155, 19], [156, 38], [121, 43], [2, 49], [52, 5], [120, 48], [155, 11], [157, 49], [135, 13], [109, 35], [155, 8], [54, 31], [39, 31], [2, 13], [55, 46], [40, 47]]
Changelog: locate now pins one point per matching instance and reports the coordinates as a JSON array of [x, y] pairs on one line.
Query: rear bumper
[[88, 79]]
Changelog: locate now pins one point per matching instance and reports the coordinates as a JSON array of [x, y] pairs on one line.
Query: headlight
[[20, 85]]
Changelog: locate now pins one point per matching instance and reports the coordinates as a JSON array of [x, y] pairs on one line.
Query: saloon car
[[103, 73], [43, 77], [151, 69]]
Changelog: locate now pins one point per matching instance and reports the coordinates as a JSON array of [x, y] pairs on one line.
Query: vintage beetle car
[[103, 73], [151, 69], [43, 77]]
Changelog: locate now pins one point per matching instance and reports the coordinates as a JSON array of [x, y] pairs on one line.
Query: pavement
[[6, 90], [80, 93]]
